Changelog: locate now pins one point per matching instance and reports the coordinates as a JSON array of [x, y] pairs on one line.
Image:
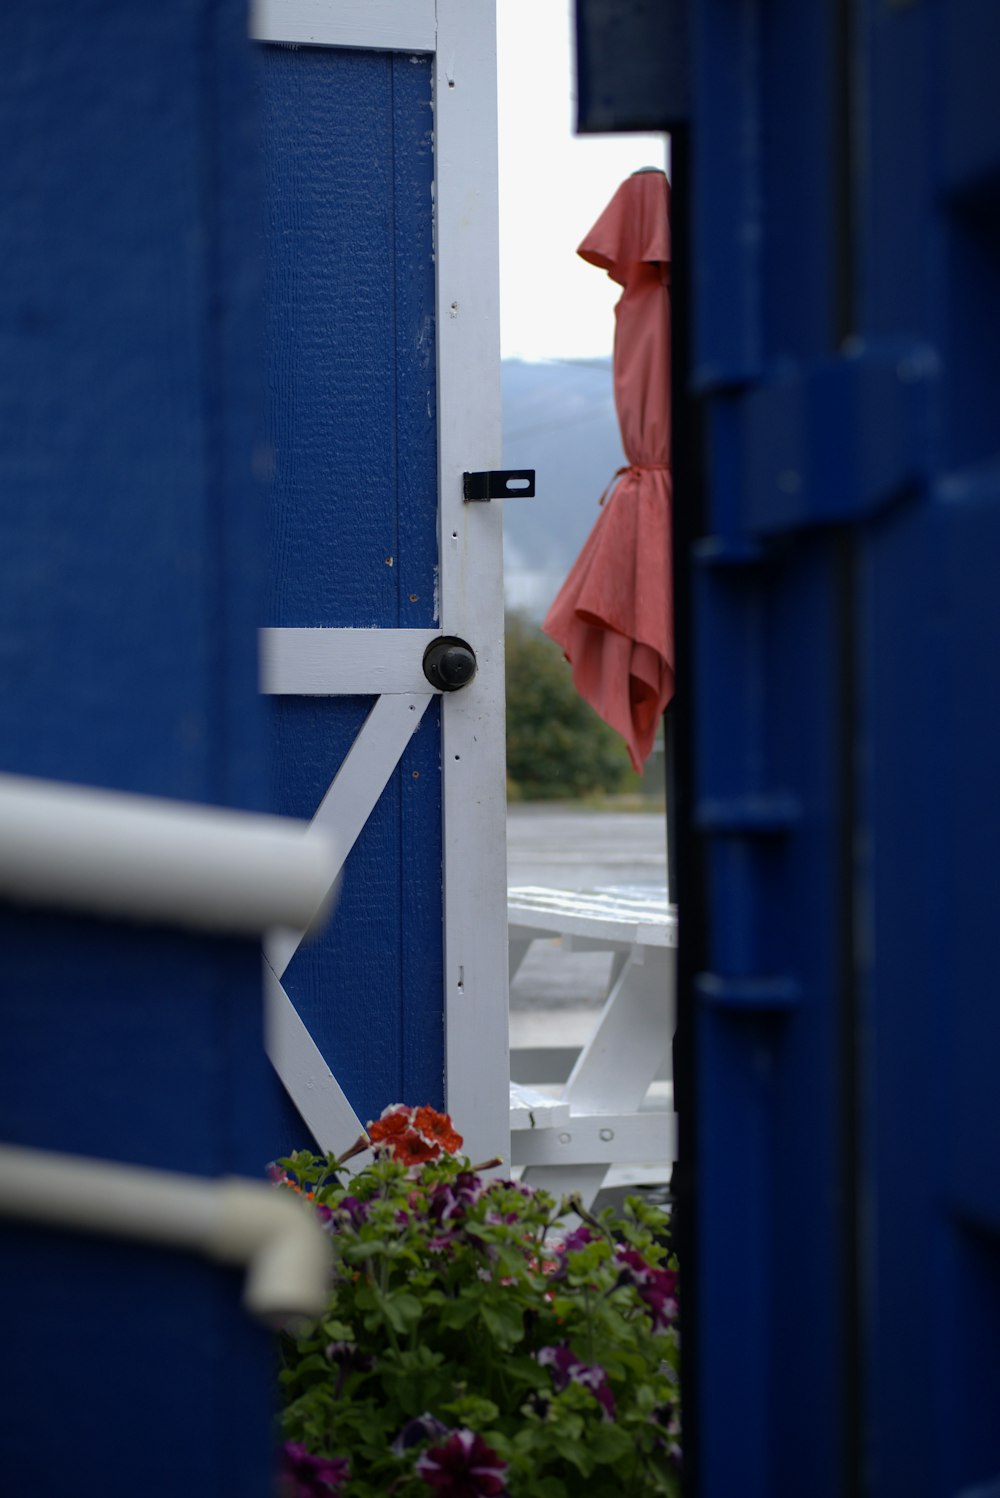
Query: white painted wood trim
[[375, 25], [307, 1079], [355, 789], [594, 920], [598, 1139], [530, 1109], [631, 1040], [344, 662], [473, 758]]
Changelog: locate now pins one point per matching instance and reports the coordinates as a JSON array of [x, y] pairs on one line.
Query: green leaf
[[406, 1310], [504, 1321], [458, 1313], [608, 1443], [471, 1410], [372, 1248], [337, 1331], [571, 1450], [549, 1487]]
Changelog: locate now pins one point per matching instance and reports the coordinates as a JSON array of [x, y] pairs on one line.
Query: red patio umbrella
[[614, 614]]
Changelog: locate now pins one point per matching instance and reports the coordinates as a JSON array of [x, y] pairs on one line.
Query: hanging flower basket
[[472, 1344]]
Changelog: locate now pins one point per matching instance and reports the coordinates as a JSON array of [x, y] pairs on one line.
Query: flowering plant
[[473, 1344]]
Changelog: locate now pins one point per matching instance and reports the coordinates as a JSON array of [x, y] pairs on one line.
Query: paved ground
[[576, 849], [555, 993]]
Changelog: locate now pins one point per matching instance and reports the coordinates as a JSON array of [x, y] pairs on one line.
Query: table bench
[[604, 1115]]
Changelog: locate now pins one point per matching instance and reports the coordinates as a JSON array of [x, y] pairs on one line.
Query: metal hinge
[[499, 483]]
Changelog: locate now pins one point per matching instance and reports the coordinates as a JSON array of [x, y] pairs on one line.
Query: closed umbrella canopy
[[613, 615]]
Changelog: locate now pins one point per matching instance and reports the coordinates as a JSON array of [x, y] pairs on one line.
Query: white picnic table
[[605, 1114]]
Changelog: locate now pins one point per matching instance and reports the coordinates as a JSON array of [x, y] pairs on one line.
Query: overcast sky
[[553, 185]]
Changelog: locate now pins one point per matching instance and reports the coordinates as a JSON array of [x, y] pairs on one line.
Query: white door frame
[[461, 36]]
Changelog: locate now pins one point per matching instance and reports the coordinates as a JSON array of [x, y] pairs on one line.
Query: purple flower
[[635, 1271], [448, 1202], [561, 1360], [303, 1475], [424, 1428], [324, 1216], [657, 1287], [571, 1244], [567, 1369], [660, 1300], [355, 1211], [463, 1466], [579, 1238], [668, 1419], [349, 1357]]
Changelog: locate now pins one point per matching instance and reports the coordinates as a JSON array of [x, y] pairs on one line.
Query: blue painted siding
[[846, 179], [352, 413], [931, 272], [771, 1177], [130, 592]]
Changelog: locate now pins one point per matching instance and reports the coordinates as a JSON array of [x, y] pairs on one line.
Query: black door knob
[[449, 663]]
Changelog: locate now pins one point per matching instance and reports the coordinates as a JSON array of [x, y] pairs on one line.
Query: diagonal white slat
[[308, 1080], [356, 787], [377, 25], [344, 662]]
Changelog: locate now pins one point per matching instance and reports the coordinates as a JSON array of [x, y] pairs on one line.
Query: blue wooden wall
[[352, 428], [131, 587]]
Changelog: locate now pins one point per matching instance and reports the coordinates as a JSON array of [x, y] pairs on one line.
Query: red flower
[[395, 1122], [412, 1149], [414, 1135], [437, 1128]]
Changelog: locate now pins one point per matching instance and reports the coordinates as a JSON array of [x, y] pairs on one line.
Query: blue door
[[380, 239], [845, 264]]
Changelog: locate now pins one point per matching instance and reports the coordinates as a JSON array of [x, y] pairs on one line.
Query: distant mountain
[[558, 418]]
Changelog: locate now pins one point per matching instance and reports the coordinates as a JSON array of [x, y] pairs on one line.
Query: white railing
[[169, 862]]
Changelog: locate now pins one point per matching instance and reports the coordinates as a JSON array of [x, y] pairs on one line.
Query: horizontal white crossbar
[[344, 662], [598, 1139], [376, 25], [234, 1221], [169, 862]]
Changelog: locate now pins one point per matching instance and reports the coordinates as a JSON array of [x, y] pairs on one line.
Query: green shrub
[[557, 746]]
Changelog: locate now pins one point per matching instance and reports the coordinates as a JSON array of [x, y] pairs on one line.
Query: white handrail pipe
[[145, 858], [235, 1221]]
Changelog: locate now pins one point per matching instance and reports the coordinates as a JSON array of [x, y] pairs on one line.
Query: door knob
[[449, 663]]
